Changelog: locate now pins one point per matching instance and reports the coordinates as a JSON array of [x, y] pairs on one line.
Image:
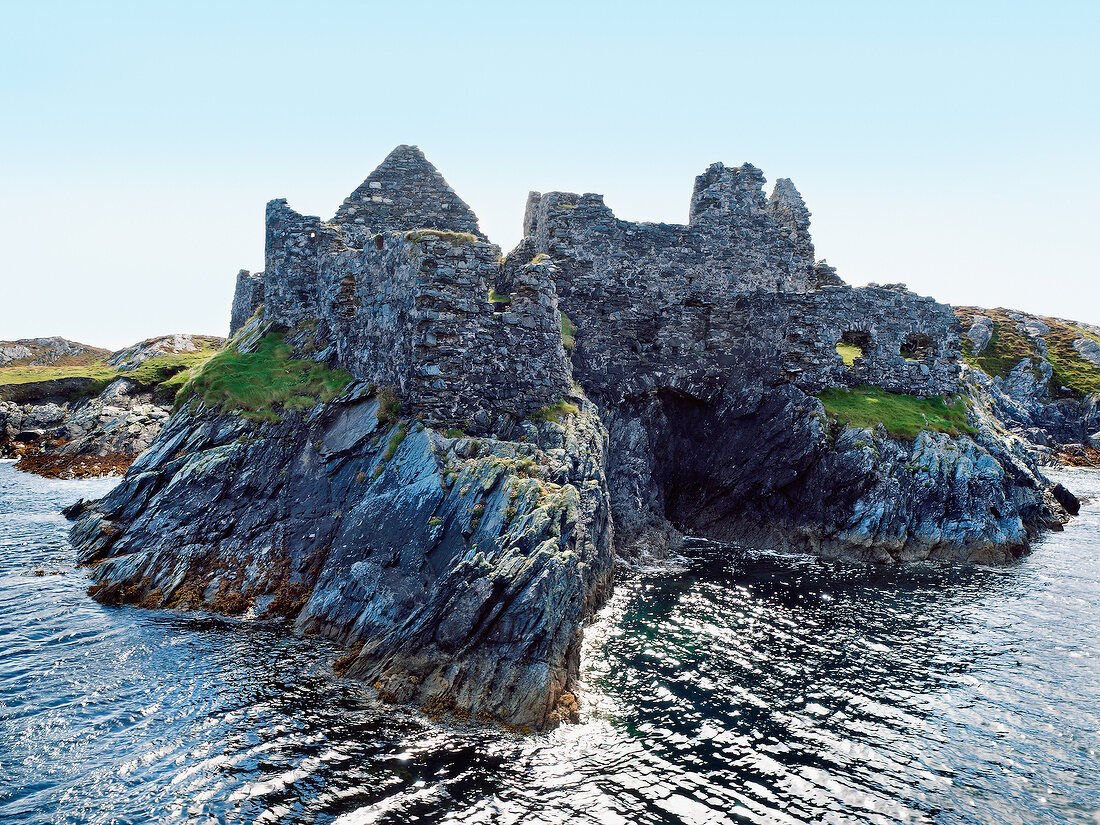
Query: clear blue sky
[[950, 146]]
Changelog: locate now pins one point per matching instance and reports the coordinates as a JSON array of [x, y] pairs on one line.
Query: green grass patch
[[1008, 346], [261, 384], [568, 333], [497, 298], [903, 416], [453, 238], [849, 352], [554, 412], [388, 405], [395, 441], [170, 369], [30, 375]]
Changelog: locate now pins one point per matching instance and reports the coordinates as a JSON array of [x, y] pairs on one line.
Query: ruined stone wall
[[291, 253], [733, 295], [910, 343], [737, 241], [637, 338], [400, 279], [247, 297], [404, 192], [410, 309]]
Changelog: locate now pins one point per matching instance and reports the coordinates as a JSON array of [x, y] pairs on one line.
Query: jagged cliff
[[433, 453]]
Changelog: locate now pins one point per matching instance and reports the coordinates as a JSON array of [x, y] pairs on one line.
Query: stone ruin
[[679, 306], [400, 279]]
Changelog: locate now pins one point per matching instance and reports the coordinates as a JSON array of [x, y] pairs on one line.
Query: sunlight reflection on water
[[750, 688]]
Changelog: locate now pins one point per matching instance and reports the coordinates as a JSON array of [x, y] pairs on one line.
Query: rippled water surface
[[752, 688]]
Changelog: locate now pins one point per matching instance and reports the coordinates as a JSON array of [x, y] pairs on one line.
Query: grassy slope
[[1070, 369], [903, 416], [260, 384], [568, 333], [168, 371], [1008, 346], [848, 352]]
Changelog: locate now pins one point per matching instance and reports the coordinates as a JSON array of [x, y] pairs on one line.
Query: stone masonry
[[247, 298], [400, 282], [405, 192], [735, 292]]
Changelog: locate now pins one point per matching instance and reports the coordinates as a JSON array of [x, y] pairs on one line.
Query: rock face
[[459, 570], [247, 298], [1088, 349], [980, 332], [100, 435], [763, 466], [72, 427], [136, 355], [458, 551]]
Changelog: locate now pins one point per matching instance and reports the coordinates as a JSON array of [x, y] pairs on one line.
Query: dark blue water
[[750, 688]]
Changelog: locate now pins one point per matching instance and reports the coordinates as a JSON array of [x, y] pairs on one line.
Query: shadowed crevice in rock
[[458, 537], [768, 470]]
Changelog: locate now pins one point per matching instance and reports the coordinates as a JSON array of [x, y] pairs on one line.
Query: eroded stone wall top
[[405, 192]]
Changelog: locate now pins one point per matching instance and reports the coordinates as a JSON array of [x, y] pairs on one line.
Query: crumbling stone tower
[[399, 279], [733, 295]]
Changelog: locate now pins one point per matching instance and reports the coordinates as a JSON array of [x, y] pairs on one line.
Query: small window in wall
[[917, 347], [852, 345]]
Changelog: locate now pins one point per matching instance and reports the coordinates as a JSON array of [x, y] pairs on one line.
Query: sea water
[[748, 687]]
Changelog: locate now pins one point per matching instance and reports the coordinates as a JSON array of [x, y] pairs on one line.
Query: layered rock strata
[[458, 545], [458, 570]]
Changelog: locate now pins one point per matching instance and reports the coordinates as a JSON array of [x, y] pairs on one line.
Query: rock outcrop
[[43, 352], [511, 424], [101, 435], [458, 570], [72, 425], [765, 467], [1039, 378]]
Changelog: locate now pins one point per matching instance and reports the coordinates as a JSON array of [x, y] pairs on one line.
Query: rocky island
[[437, 454]]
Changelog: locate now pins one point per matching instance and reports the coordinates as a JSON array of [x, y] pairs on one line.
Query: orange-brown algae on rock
[[342, 663], [1080, 456], [567, 709], [72, 466]]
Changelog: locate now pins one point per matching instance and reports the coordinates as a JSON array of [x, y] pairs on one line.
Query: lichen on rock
[[452, 505]]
